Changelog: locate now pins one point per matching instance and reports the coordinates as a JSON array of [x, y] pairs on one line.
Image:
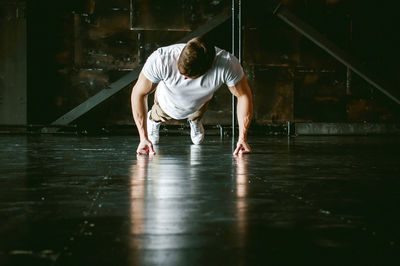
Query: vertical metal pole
[[348, 74], [131, 14], [240, 31], [233, 27], [236, 26], [233, 52]]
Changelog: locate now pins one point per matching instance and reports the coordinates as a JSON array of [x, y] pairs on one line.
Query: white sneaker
[[196, 132], [153, 130]]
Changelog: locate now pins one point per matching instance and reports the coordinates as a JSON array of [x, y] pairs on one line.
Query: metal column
[[236, 46]]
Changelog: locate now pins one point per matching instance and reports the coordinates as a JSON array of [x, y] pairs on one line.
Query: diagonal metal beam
[[98, 98], [209, 25], [313, 35], [118, 85]]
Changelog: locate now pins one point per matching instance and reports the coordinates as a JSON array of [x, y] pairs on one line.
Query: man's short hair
[[196, 57]]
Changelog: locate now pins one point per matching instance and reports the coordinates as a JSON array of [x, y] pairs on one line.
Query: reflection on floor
[[304, 200]]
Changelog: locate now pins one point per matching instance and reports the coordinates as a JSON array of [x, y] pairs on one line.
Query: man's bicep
[[241, 88], [143, 85]]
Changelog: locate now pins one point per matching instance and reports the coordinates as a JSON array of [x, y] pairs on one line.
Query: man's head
[[196, 58]]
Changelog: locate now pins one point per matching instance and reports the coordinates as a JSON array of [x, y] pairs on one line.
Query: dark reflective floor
[[305, 200]]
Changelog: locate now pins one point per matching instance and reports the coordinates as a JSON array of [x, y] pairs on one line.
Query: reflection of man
[[186, 77], [241, 176]]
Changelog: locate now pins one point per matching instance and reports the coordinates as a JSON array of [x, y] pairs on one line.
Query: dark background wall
[[13, 84], [76, 48]]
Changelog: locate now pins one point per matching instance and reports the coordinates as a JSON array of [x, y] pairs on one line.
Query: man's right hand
[[145, 147]]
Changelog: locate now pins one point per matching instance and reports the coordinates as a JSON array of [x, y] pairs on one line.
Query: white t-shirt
[[179, 97]]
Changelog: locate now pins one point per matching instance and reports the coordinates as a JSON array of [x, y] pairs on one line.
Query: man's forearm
[[244, 114], [139, 112]]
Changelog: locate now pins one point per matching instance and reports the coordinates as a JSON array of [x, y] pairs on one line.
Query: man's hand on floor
[[242, 147], [145, 147]]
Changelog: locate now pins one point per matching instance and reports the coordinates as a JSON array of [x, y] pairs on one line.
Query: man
[[186, 77]]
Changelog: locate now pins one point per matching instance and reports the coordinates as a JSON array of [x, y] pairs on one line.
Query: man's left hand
[[242, 147]]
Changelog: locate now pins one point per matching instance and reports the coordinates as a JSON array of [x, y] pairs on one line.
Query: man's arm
[[244, 113], [140, 91]]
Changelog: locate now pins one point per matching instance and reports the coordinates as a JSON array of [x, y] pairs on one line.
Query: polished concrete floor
[[69, 200]]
